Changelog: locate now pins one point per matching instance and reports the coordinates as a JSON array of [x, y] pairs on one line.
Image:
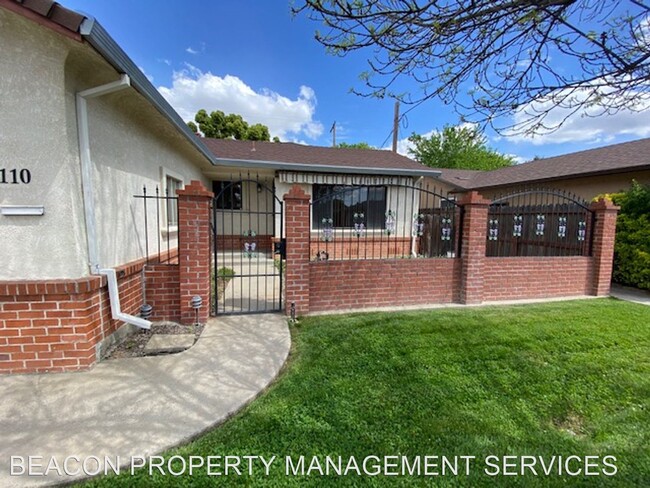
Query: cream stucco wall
[[131, 145], [585, 187], [37, 133], [590, 186]]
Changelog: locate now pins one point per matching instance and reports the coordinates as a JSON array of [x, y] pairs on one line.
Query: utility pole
[[395, 126], [333, 132]]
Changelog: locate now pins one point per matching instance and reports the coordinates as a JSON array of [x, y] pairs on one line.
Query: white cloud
[[191, 51], [286, 118], [163, 60], [589, 124], [403, 145]]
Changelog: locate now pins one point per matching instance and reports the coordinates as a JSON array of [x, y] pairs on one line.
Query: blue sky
[[254, 58]]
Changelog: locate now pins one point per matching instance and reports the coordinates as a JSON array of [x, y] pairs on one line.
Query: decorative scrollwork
[[493, 231], [445, 228], [561, 227], [359, 225], [518, 225], [540, 224], [582, 230], [327, 230], [391, 223], [418, 225], [250, 245]]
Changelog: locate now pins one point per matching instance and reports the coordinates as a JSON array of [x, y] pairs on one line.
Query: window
[[340, 203], [228, 194], [171, 185]]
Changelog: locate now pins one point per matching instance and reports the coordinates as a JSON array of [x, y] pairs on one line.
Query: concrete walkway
[[139, 406], [255, 287], [630, 294]]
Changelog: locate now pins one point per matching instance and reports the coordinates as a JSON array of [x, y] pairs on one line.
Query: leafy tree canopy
[[495, 58], [356, 145], [461, 147], [221, 126]]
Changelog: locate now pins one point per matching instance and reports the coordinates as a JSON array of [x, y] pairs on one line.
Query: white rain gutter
[[89, 196]]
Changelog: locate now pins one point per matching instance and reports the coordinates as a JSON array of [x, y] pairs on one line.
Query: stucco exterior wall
[[38, 134], [589, 186], [585, 187], [131, 146]]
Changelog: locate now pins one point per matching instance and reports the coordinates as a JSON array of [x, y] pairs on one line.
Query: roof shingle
[[627, 156], [289, 152]]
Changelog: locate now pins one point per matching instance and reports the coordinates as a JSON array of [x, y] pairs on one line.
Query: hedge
[[632, 248]]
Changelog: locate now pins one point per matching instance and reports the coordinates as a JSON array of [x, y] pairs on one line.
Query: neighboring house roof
[[460, 178], [84, 27], [617, 158], [299, 157]]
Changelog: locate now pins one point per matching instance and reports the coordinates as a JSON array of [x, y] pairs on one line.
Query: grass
[[562, 379]]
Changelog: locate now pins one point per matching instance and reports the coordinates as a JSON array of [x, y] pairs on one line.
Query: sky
[[254, 58]]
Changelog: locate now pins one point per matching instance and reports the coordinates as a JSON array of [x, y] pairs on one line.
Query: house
[[340, 181], [83, 132], [113, 213], [585, 174]]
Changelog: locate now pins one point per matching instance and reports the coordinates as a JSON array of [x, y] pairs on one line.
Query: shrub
[[632, 248]]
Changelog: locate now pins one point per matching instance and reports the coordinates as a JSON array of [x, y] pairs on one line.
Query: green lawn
[[570, 378]]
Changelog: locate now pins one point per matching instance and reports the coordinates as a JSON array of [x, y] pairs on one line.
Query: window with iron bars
[[341, 202]]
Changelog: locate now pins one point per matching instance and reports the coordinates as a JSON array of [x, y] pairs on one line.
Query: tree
[[356, 145], [459, 147], [221, 126], [491, 59]]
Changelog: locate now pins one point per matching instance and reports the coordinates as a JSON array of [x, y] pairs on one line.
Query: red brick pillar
[[194, 250], [603, 244], [296, 211], [475, 218]]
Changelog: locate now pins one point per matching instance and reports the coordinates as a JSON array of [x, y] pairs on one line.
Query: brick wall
[[194, 249], [337, 285], [163, 292], [363, 247], [236, 242], [536, 277], [348, 281], [56, 326]]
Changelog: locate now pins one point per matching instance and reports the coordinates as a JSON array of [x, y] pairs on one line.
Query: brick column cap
[[604, 204], [195, 189], [474, 198], [296, 193]]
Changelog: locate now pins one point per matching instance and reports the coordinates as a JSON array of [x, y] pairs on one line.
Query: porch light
[[196, 302]]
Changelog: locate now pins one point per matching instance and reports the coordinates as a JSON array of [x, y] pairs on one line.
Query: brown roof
[[299, 154], [461, 178], [47, 12], [617, 158]]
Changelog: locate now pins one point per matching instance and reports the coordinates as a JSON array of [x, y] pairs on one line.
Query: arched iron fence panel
[[539, 222], [383, 222], [247, 222]]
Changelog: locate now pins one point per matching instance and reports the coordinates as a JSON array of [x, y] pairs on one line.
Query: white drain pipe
[[116, 310], [89, 196]]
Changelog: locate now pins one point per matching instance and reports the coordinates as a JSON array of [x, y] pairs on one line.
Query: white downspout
[[413, 249], [116, 310], [89, 196]]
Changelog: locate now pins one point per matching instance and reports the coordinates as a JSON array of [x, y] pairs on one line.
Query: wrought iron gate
[[248, 255]]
